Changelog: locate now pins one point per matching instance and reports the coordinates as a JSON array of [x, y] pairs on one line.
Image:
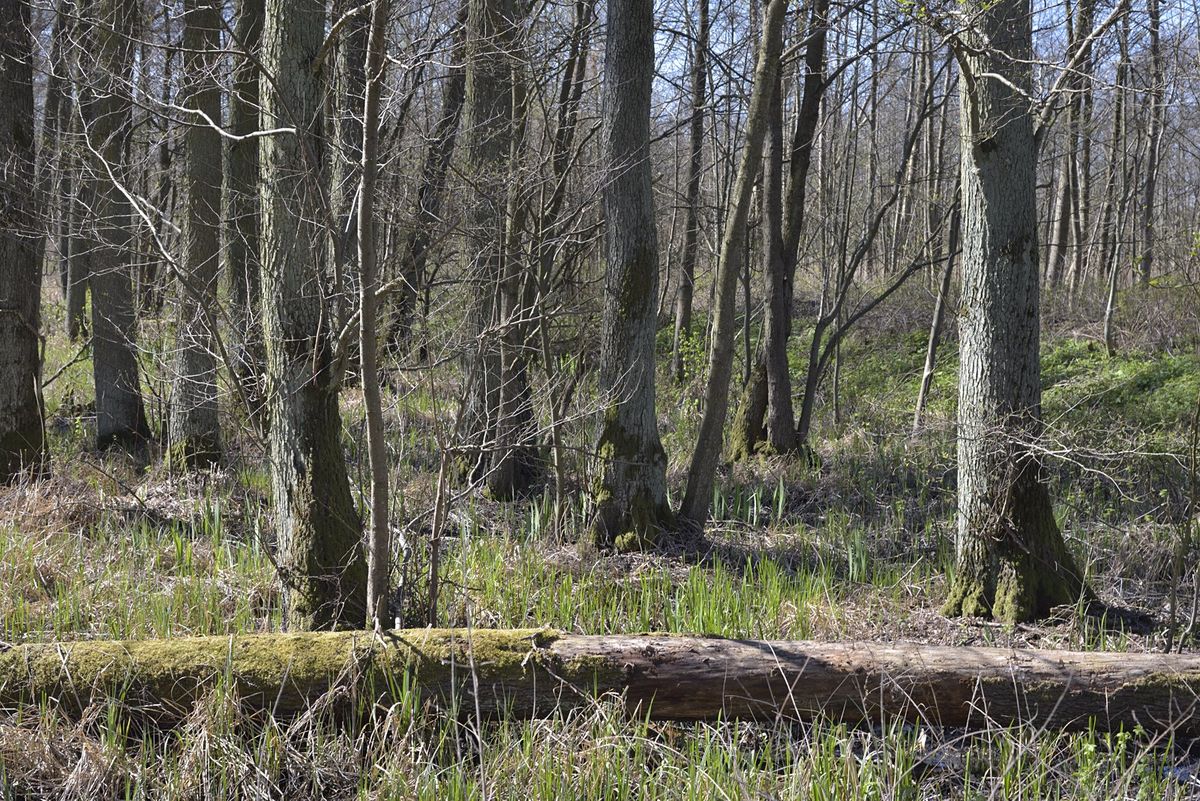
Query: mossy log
[[533, 672]]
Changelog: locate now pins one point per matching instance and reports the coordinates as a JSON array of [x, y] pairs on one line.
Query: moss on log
[[532, 672]]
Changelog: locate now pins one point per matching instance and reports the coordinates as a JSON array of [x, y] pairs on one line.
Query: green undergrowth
[[855, 544]]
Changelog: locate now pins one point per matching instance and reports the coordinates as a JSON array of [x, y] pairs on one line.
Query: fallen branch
[[530, 673]]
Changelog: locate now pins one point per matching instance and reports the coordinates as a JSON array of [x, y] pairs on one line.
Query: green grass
[[857, 545]]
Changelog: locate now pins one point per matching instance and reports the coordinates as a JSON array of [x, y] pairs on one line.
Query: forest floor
[[856, 545]]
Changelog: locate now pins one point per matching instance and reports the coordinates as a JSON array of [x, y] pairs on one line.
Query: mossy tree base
[[631, 509], [538, 672], [1016, 567], [194, 453]]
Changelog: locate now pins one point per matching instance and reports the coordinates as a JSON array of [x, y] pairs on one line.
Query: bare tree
[[378, 555], [106, 111], [240, 197], [703, 467], [631, 501], [21, 436], [323, 570], [195, 431], [1012, 563], [695, 168], [499, 412]]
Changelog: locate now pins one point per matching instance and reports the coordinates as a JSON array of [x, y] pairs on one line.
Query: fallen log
[[531, 673]]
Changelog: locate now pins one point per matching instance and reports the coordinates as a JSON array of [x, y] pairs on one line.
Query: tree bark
[[1012, 563], [321, 560], [525, 673], [21, 248], [631, 486], [120, 414], [703, 467], [691, 235], [195, 430], [777, 323]]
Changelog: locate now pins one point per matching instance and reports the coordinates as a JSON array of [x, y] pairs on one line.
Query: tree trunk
[[78, 249], [781, 425], [1154, 145], [939, 316], [498, 414], [631, 485], [321, 561], [120, 415], [240, 198], [691, 234], [379, 536], [749, 426], [195, 432], [703, 467], [415, 251], [526, 673], [345, 104], [21, 248], [1012, 563]]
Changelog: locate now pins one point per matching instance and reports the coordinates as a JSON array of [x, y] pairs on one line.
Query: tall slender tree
[[378, 551], [21, 440], [195, 432], [631, 492], [107, 111], [703, 467], [695, 172], [1012, 563], [323, 569]]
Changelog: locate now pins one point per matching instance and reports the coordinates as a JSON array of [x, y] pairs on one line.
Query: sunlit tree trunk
[[631, 489], [323, 570], [695, 170], [703, 466], [1012, 563], [378, 539]]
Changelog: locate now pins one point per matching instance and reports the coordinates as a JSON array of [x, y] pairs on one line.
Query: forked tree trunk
[[777, 322], [1012, 563], [241, 204], [539, 672], [21, 436], [631, 491], [321, 560], [703, 466], [691, 234], [120, 414], [195, 431], [763, 390]]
